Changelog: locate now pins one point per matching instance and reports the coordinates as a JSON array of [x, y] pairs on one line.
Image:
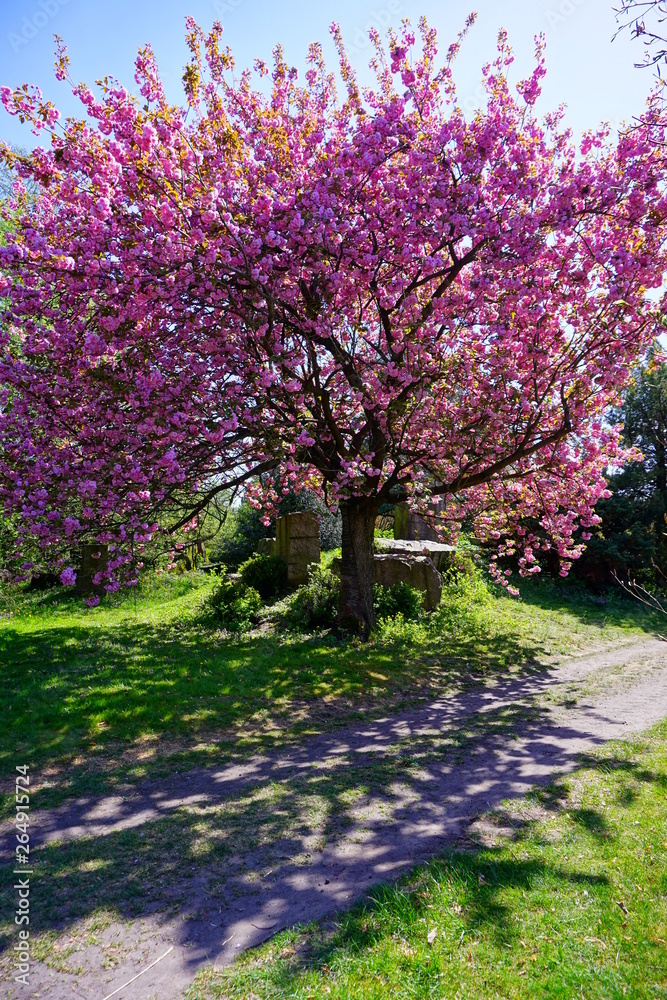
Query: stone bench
[[442, 556], [416, 570]]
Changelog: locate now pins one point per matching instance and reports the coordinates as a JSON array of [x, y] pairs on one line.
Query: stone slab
[[297, 544], [302, 524], [441, 555]]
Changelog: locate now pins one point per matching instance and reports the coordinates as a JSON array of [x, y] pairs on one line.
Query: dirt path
[[428, 773]]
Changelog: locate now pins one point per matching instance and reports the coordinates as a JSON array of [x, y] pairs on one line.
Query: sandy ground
[[557, 715]]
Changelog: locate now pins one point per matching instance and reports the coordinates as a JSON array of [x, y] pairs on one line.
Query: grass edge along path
[[562, 895]]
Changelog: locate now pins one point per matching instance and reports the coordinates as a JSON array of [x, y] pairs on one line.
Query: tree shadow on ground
[[479, 874], [240, 852], [94, 705]]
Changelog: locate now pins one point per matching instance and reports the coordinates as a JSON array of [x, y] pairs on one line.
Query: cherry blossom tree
[[367, 295]]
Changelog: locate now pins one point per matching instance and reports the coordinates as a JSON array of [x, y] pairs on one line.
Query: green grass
[[94, 697], [561, 896]]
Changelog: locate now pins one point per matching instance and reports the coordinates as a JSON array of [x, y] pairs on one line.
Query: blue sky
[[595, 78]]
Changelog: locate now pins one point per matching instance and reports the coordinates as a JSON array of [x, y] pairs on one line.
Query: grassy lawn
[[96, 699], [142, 686], [560, 896]]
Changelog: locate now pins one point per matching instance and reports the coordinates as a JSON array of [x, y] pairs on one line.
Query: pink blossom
[[6, 97], [167, 214], [226, 304]]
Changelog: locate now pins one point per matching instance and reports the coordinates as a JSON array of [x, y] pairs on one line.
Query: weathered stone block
[[267, 546], [298, 544], [301, 547], [401, 521], [417, 571], [303, 524], [442, 556], [411, 526]]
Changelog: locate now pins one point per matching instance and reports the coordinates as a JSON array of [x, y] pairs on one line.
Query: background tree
[[631, 539], [371, 297]]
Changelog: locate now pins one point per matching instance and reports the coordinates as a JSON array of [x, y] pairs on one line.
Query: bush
[[463, 564], [267, 574], [314, 604], [235, 605], [399, 599]]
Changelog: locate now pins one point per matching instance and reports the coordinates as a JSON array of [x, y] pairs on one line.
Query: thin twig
[[642, 595], [134, 978]]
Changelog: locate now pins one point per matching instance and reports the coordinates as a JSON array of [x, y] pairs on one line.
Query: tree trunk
[[357, 571], [94, 558]]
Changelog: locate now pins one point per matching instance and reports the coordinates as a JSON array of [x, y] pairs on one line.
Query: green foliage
[[237, 539], [267, 574], [314, 605], [235, 605], [399, 599], [632, 536]]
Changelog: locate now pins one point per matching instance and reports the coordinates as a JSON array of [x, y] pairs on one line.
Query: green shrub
[[399, 599], [238, 537], [314, 604], [463, 564], [235, 605], [267, 574], [397, 631]]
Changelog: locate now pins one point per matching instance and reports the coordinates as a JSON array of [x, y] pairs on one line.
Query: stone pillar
[[266, 546], [411, 526], [94, 558], [298, 544]]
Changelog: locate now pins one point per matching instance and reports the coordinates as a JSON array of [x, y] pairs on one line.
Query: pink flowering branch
[[370, 296]]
